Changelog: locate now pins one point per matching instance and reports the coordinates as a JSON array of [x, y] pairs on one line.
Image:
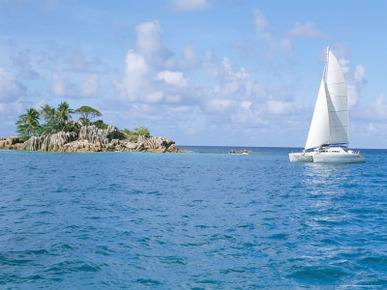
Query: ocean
[[204, 220]]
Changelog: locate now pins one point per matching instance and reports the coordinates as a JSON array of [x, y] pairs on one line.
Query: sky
[[199, 72]]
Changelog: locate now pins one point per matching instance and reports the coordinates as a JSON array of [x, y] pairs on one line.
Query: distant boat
[[328, 133], [241, 152]]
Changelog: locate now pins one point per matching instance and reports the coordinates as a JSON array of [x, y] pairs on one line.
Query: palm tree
[[28, 124], [47, 112], [49, 115], [63, 115]]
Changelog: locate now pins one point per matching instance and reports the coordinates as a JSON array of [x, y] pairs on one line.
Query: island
[[60, 133]]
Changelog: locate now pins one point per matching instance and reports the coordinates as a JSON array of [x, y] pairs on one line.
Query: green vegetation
[[28, 124], [133, 135], [60, 119], [57, 120], [87, 114]]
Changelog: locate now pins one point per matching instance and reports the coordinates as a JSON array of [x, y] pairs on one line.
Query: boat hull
[[338, 158], [300, 157], [328, 155]]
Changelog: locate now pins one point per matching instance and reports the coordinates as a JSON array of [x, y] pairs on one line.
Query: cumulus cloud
[[137, 86], [376, 117], [218, 105], [235, 82], [285, 41], [232, 99], [174, 78], [90, 86], [263, 28], [307, 30], [355, 79], [149, 45], [189, 5], [279, 107], [190, 55], [22, 62], [63, 87], [135, 76], [10, 88], [76, 61], [379, 108]]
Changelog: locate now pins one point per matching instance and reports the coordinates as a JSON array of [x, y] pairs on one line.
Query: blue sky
[[200, 72]]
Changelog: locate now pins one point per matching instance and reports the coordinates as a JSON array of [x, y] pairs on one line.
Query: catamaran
[[328, 133]]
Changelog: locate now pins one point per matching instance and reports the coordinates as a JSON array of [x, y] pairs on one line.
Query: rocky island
[[81, 136], [90, 139]]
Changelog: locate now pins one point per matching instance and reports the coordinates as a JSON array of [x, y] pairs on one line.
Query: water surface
[[206, 219]]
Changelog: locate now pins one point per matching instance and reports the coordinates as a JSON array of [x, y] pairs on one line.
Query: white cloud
[[189, 5], [263, 29], [248, 115], [173, 78], [180, 109], [371, 129], [299, 30], [135, 79], [373, 118], [378, 109], [148, 38], [235, 82], [359, 74], [154, 97], [284, 42], [150, 46], [279, 107], [190, 55], [260, 21], [230, 100], [22, 62], [75, 60], [307, 30], [10, 88], [145, 84], [355, 80], [63, 87], [218, 105], [90, 86]]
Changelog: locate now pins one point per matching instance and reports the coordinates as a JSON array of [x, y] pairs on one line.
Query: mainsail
[[329, 124]]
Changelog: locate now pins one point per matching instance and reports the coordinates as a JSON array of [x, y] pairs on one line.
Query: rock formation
[[90, 139], [12, 142]]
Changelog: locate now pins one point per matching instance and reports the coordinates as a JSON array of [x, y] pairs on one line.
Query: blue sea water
[[205, 219]]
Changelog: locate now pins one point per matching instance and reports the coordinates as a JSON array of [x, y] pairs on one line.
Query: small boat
[[241, 152], [328, 133]]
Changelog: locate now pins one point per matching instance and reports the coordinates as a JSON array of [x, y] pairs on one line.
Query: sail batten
[[330, 118]]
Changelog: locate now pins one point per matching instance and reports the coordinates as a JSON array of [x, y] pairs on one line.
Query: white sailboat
[[328, 133]]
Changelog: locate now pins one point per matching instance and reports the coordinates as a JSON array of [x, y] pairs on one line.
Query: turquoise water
[[205, 219]]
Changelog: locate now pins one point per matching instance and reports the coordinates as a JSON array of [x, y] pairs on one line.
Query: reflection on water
[[328, 188], [327, 178]]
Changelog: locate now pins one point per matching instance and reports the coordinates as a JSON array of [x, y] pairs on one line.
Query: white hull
[[328, 155], [346, 157], [301, 157]]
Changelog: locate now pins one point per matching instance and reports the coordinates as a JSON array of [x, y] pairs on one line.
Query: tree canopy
[[57, 119], [87, 114], [28, 124], [60, 119]]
